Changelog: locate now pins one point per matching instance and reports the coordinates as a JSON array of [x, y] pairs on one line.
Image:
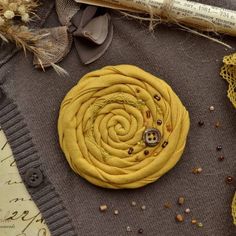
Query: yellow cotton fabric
[[106, 114]]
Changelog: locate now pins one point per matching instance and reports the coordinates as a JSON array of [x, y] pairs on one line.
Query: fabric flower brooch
[[121, 127]]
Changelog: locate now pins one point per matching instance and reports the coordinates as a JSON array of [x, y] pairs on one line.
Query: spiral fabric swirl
[[103, 120]]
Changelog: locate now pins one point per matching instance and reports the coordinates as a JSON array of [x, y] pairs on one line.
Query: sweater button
[[151, 137], [33, 177]]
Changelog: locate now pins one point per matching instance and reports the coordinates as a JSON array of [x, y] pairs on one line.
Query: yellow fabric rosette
[[102, 122]]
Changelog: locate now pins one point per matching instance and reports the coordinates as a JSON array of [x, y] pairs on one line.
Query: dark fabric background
[[191, 65]]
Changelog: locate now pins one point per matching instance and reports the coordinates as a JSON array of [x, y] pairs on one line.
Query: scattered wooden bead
[[193, 221], [103, 208], [179, 218], [217, 124], [143, 207], [181, 200]]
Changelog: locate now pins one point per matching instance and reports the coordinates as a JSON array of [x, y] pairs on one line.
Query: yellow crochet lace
[[234, 209], [228, 72]]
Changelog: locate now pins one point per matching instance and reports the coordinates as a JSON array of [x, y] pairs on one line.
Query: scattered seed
[[193, 221], [181, 200], [229, 180], [179, 218], [146, 152], [116, 212], [140, 231], [187, 211], [130, 151], [211, 108], [201, 123], [103, 208], [137, 90], [128, 229], [155, 154], [133, 203], [143, 207]]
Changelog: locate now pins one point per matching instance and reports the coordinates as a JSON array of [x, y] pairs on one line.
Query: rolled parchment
[[197, 15]]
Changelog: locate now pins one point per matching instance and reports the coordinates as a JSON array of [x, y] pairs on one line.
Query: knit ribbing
[[26, 156]]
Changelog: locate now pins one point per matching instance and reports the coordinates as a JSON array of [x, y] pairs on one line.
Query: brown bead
[[157, 97], [164, 144], [229, 180], [167, 205], [159, 122], [140, 231], [146, 152], [179, 218], [200, 123], [193, 221], [148, 114], [221, 158], [130, 151]]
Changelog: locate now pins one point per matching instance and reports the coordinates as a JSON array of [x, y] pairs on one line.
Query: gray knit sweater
[[69, 204]]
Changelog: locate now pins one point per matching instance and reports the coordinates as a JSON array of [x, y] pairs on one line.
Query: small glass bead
[[164, 144], [146, 152], [140, 231], [221, 158], [159, 122], [187, 210], [116, 212], [219, 148], [130, 151], [133, 203], [211, 108], [128, 229], [229, 180], [201, 123], [157, 97]]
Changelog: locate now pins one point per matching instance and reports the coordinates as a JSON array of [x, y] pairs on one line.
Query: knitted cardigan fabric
[[70, 204]]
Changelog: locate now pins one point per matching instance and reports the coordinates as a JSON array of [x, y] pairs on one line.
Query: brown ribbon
[[88, 26]]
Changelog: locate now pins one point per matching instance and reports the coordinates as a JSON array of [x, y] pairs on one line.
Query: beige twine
[[166, 15]]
